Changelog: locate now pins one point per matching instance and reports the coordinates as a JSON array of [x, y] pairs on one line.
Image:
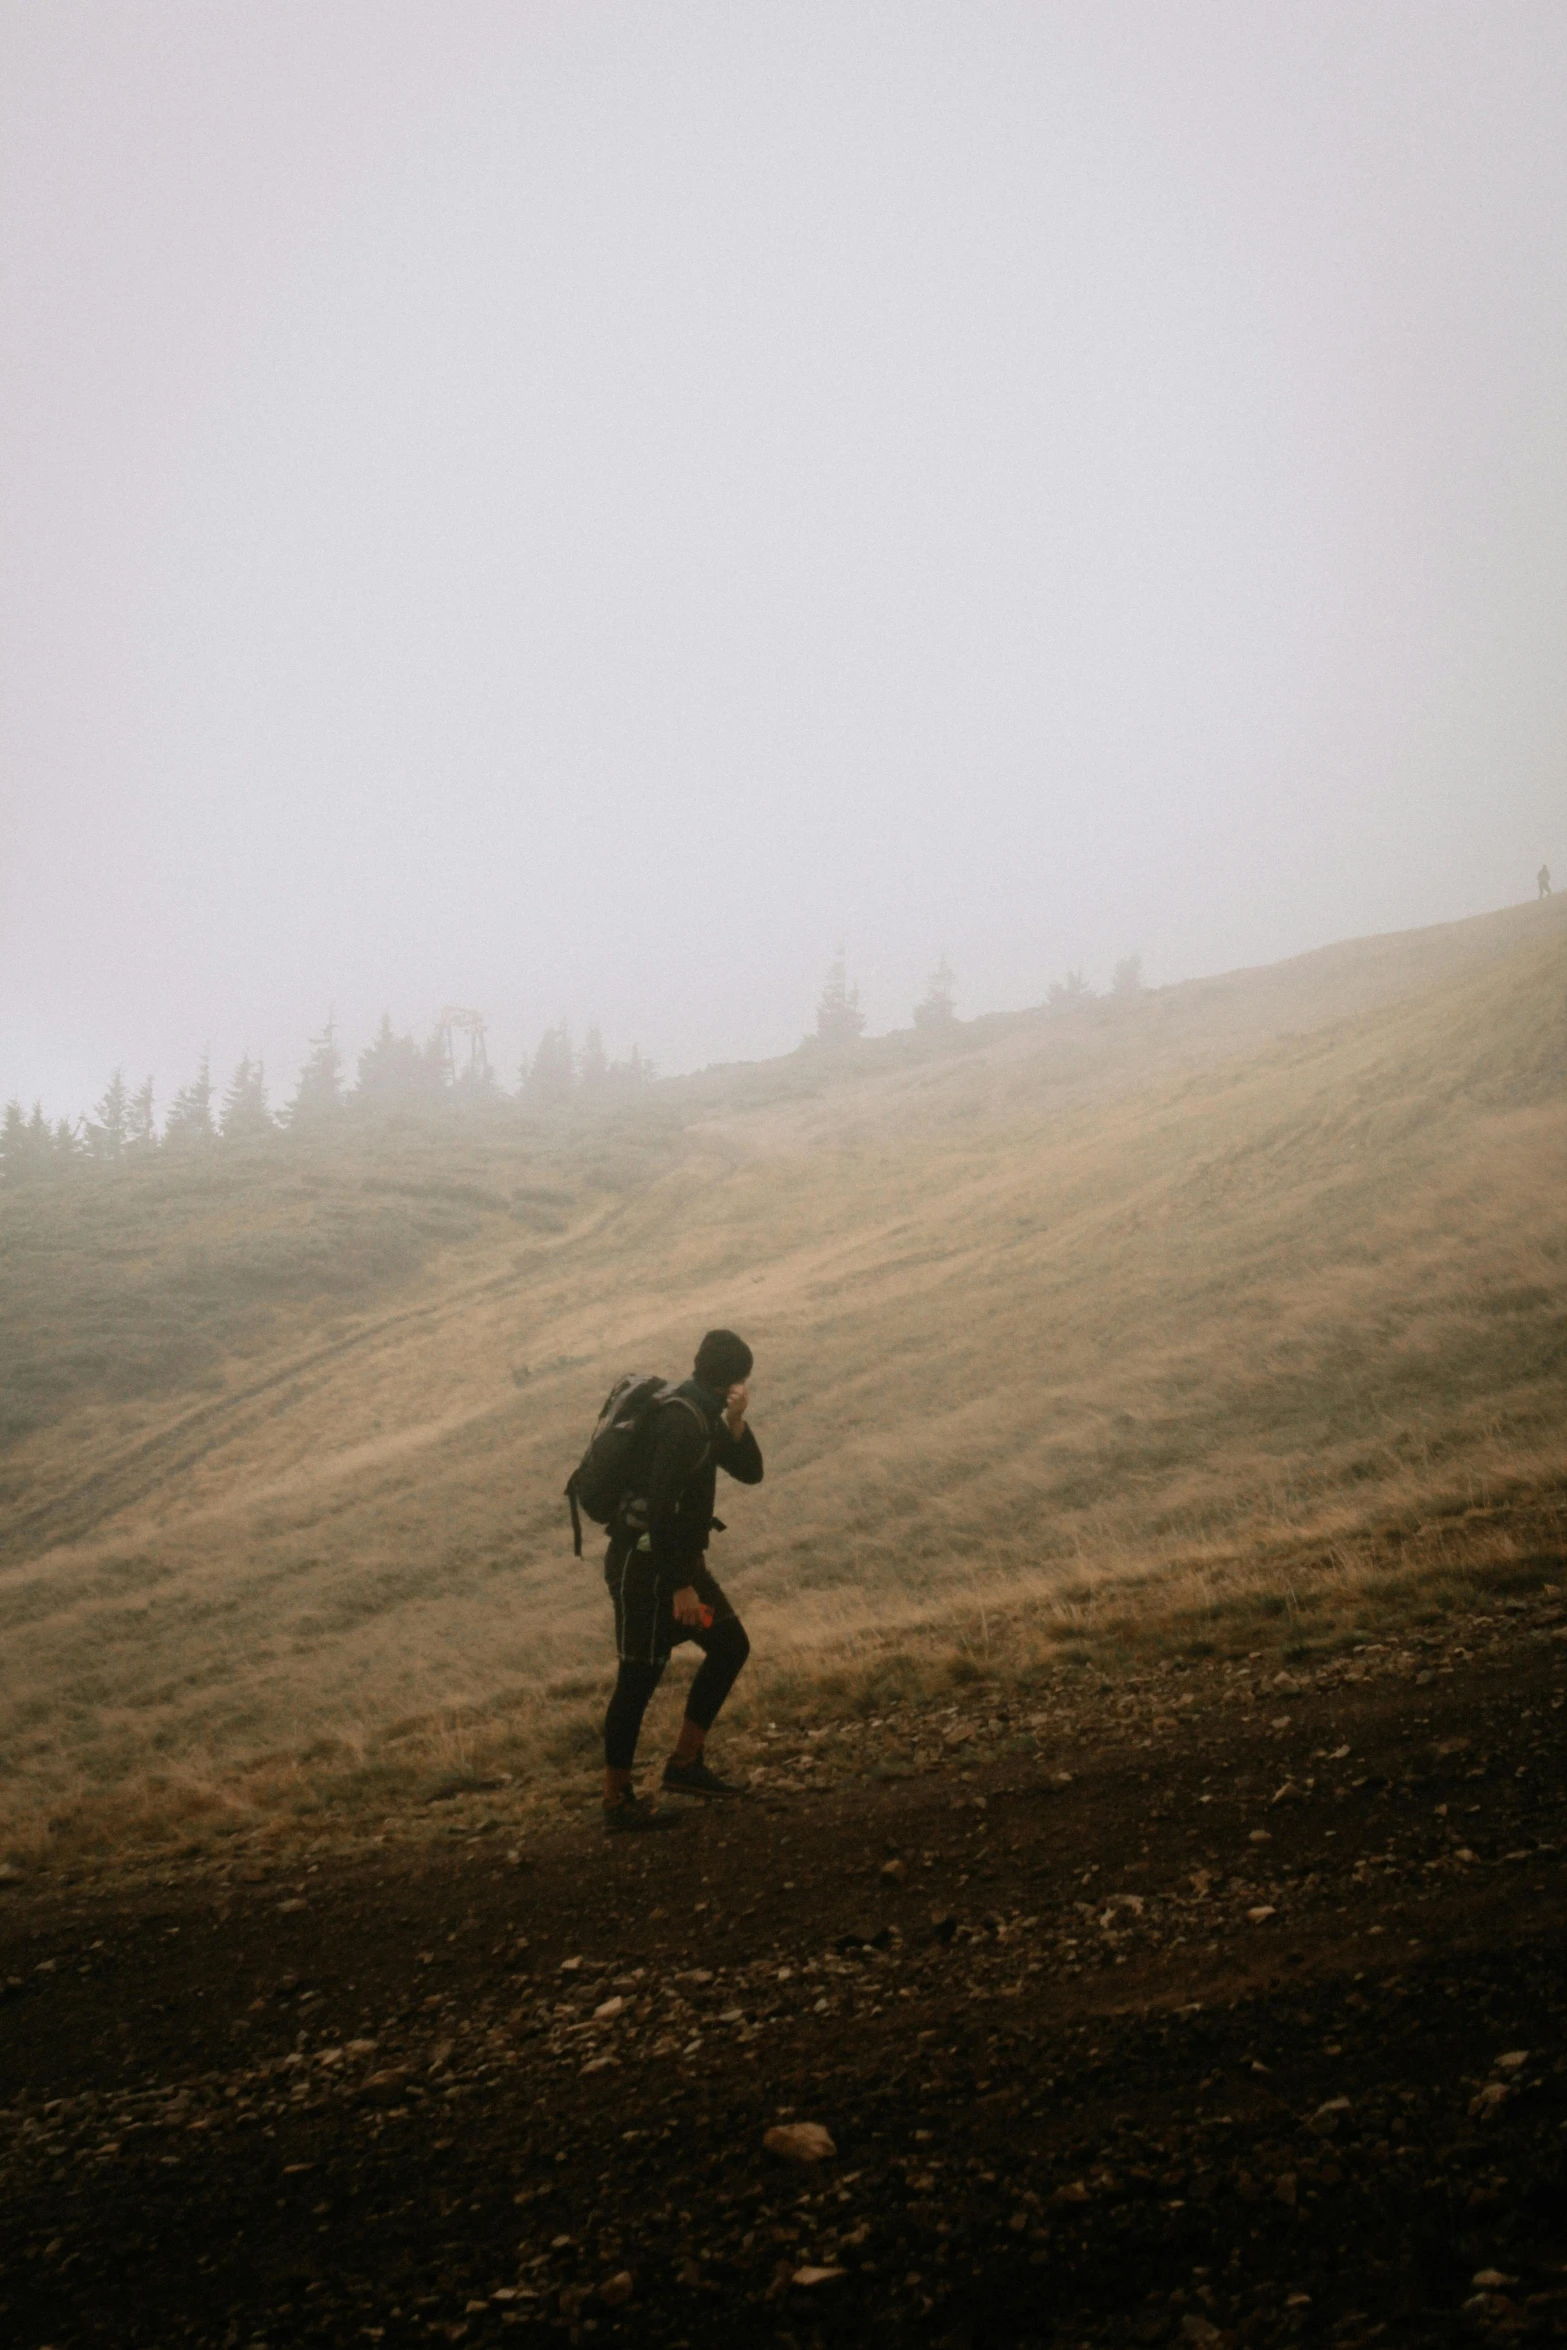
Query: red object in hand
[[706, 1616]]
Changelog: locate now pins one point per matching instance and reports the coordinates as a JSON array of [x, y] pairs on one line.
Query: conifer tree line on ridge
[[839, 1019], [396, 1074]]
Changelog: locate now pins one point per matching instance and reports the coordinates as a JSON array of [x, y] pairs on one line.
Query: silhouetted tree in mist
[[141, 1128], [19, 1155], [938, 1009], [30, 1148], [190, 1112], [1069, 994], [599, 1078], [839, 1019], [319, 1093], [1127, 978], [109, 1124], [397, 1074], [388, 1067], [592, 1065], [245, 1112], [547, 1080]]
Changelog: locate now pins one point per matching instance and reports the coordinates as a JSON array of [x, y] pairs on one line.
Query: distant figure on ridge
[[1543, 877], [650, 1475]]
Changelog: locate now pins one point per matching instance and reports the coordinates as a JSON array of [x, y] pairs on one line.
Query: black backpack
[[606, 1473]]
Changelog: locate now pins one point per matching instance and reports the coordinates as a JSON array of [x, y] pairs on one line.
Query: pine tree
[[593, 1068], [15, 1153], [394, 1073], [1069, 994], [109, 1126], [1128, 977], [190, 1112], [547, 1081], [319, 1093], [30, 1147], [939, 1008], [142, 1130], [386, 1067], [839, 1019], [245, 1112]]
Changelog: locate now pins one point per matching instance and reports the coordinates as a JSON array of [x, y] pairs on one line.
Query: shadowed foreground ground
[[1252, 2029]]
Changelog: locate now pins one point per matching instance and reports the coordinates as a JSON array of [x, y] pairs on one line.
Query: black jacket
[[687, 1451]]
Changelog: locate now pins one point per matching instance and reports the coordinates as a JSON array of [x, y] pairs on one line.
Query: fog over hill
[[1193, 1282], [577, 512]]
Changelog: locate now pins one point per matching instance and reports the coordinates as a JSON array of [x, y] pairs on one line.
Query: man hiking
[[657, 1573]]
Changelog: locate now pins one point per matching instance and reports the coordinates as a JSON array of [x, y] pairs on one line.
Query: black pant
[[646, 1626]]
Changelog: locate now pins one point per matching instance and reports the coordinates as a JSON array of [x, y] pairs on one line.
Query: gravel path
[[1211, 2005]]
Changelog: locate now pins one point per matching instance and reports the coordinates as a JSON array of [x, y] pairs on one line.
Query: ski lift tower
[[472, 1063]]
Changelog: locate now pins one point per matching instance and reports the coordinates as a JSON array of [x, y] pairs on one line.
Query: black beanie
[[722, 1360]]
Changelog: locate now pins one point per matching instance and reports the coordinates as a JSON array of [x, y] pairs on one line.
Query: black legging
[[724, 1649]]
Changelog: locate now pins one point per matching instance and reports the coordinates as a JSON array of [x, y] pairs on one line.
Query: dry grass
[[1231, 1315]]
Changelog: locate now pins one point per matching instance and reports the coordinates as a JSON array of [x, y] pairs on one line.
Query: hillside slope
[[1272, 1260]]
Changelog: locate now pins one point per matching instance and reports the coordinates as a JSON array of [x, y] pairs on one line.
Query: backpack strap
[[633, 1511], [689, 1404]]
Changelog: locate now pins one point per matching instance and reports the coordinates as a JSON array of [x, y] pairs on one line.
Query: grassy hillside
[[1233, 1286]]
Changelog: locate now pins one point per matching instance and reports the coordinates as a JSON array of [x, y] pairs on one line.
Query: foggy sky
[[577, 509]]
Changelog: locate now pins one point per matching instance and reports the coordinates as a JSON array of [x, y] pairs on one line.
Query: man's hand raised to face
[[735, 1407]]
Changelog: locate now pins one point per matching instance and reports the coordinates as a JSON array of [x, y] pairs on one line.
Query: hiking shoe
[[633, 1814], [694, 1778]]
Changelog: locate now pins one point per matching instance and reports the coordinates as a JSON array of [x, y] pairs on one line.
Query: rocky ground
[[1213, 2004]]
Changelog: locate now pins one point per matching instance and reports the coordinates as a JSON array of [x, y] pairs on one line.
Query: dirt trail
[[1209, 2006], [154, 1461]]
